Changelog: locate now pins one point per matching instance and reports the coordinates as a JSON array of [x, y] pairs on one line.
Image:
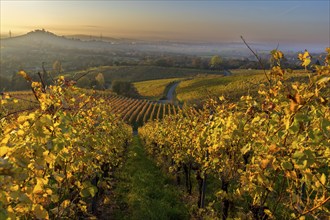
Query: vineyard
[[56, 157], [137, 74], [239, 83], [264, 156], [154, 89], [135, 112]]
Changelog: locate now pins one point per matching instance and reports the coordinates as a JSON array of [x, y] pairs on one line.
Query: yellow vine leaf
[[21, 119], [65, 203], [24, 75], [5, 139], [4, 150], [38, 189], [20, 132], [40, 184], [58, 177], [277, 54], [21, 208], [323, 179], [306, 62], [40, 212], [305, 58]]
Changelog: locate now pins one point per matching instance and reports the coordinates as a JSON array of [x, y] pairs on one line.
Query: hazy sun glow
[[260, 21]]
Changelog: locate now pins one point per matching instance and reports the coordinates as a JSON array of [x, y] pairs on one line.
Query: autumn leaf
[[24, 75]]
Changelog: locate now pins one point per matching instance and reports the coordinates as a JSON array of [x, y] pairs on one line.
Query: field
[[154, 89], [78, 153], [135, 112], [169, 110], [234, 86], [138, 73], [239, 83]]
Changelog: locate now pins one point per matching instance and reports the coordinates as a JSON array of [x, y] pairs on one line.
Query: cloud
[[286, 12]]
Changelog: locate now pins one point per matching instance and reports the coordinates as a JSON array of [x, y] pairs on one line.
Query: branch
[[315, 207], [42, 77], [34, 93], [12, 113], [278, 44], [24, 99], [88, 72], [259, 60]]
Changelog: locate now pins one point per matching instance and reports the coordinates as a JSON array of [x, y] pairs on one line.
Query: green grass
[[140, 73], [244, 72], [23, 100], [201, 88], [154, 89], [144, 192], [241, 82]]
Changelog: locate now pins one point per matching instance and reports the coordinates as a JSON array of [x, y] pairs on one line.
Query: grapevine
[[269, 152], [55, 159]]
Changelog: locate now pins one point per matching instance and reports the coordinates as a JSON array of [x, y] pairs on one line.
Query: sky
[[285, 22]]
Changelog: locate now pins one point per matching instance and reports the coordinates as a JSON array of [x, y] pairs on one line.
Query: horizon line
[[3, 35]]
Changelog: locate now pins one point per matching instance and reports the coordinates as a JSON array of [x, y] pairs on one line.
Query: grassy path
[[143, 192]]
